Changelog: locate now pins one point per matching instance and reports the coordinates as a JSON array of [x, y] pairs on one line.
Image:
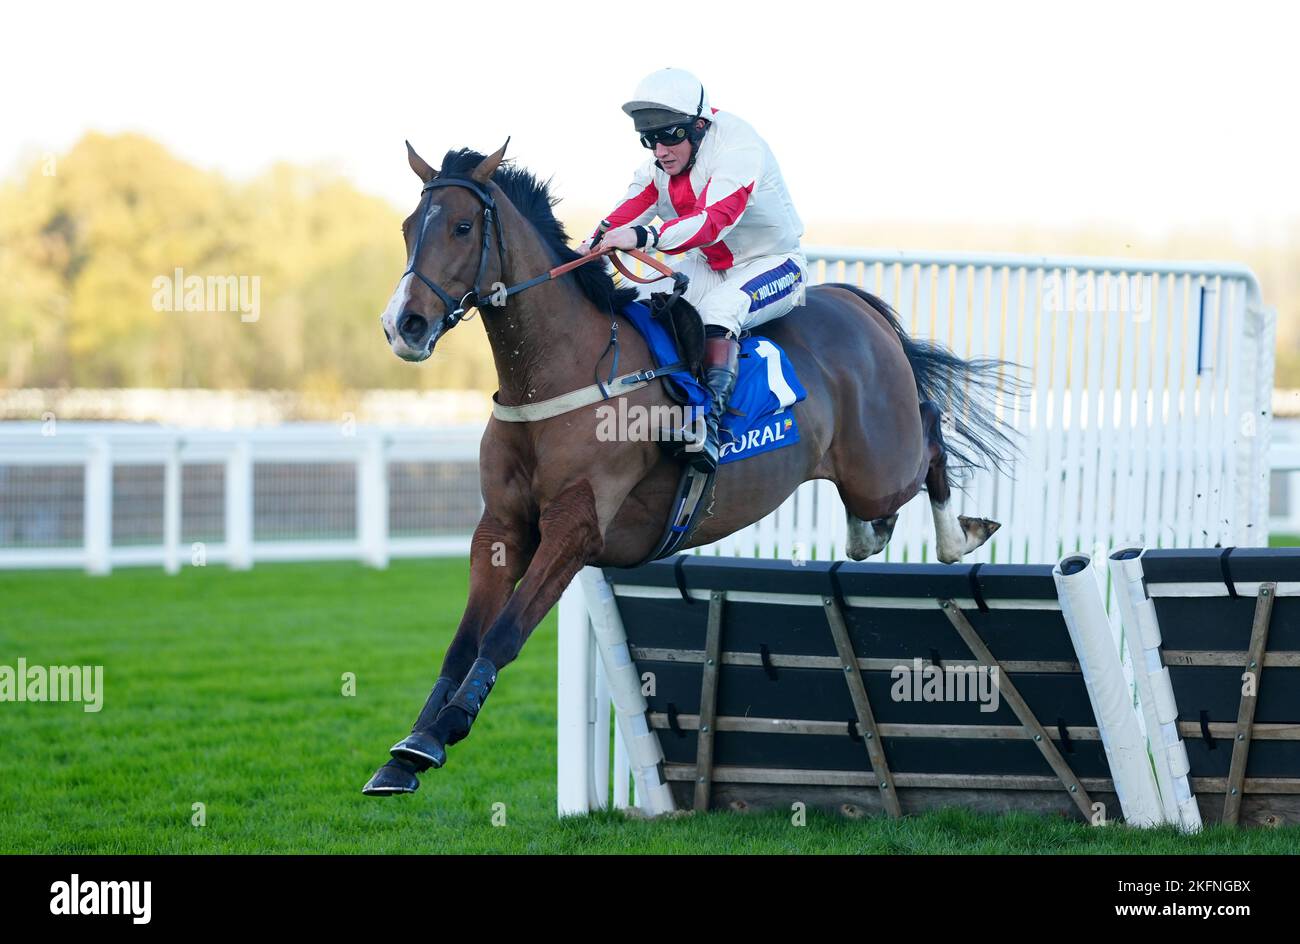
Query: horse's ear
[[418, 164], [488, 166]]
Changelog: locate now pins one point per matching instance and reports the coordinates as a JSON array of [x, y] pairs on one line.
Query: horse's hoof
[[977, 531], [421, 750], [392, 779]]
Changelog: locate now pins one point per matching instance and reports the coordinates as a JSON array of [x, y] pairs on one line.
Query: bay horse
[[557, 497]]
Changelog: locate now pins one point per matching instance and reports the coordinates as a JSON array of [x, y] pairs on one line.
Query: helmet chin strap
[[695, 137]]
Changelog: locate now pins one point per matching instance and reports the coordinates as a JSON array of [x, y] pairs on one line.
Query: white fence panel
[[149, 495]]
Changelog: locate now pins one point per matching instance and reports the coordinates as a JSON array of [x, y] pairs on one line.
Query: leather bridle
[[455, 311]]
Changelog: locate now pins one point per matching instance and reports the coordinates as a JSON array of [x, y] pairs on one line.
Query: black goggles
[[674, 134]]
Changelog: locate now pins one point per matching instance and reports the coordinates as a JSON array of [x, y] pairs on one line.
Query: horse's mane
[[532, 198]]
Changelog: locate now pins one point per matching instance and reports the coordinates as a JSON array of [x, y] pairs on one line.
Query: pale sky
[[1150, 115]]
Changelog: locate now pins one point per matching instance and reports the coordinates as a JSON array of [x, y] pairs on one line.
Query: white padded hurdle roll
[[1084, 608], [1155, 692], [644, 753]]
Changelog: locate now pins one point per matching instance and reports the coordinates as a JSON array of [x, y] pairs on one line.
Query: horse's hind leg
[[955, 535], [868, 537]]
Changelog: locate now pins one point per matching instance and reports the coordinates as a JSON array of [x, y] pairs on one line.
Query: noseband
[[456, 310]]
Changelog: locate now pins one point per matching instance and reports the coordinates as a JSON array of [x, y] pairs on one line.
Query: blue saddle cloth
[[759, 418]]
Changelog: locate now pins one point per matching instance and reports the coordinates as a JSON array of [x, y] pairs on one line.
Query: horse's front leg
[[499, 554], [570, 538]]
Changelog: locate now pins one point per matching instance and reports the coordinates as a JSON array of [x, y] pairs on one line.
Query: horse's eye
[[463, 227]]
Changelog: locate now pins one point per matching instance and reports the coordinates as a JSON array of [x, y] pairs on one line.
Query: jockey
[[726, 214]]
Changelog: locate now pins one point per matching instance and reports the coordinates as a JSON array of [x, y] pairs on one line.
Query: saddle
[[685, 325], [758, 418]]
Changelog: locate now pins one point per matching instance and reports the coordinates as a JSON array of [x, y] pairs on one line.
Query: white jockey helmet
[[666, 96]]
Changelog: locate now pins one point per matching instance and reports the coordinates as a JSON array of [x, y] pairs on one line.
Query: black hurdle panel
[[786, 725], [1208, 603]]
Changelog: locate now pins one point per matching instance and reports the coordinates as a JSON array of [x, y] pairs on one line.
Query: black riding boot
[[720, 364]]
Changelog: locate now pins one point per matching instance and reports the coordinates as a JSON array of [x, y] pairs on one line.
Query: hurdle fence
[[891, 689]]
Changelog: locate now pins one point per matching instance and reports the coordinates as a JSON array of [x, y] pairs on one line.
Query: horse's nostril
[[413, 328]]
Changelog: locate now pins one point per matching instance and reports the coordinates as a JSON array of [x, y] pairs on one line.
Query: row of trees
[[85, 237]]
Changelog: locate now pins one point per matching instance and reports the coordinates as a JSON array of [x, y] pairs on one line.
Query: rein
[[473, 298], [455, 313]]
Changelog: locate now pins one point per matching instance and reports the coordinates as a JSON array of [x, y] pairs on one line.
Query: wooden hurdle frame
[[1223, 627], [694, 599]]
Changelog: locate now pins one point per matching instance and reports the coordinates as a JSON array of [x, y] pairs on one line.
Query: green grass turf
[[224, 688]]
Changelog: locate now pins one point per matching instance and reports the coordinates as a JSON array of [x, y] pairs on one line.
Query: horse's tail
[[969, 391]]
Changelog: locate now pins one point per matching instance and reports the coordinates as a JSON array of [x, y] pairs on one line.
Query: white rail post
[[98, 524], [575, 693], [172, 509], [600, 739], [372, 502], [239, 506], [622, 774], [644, 751]]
